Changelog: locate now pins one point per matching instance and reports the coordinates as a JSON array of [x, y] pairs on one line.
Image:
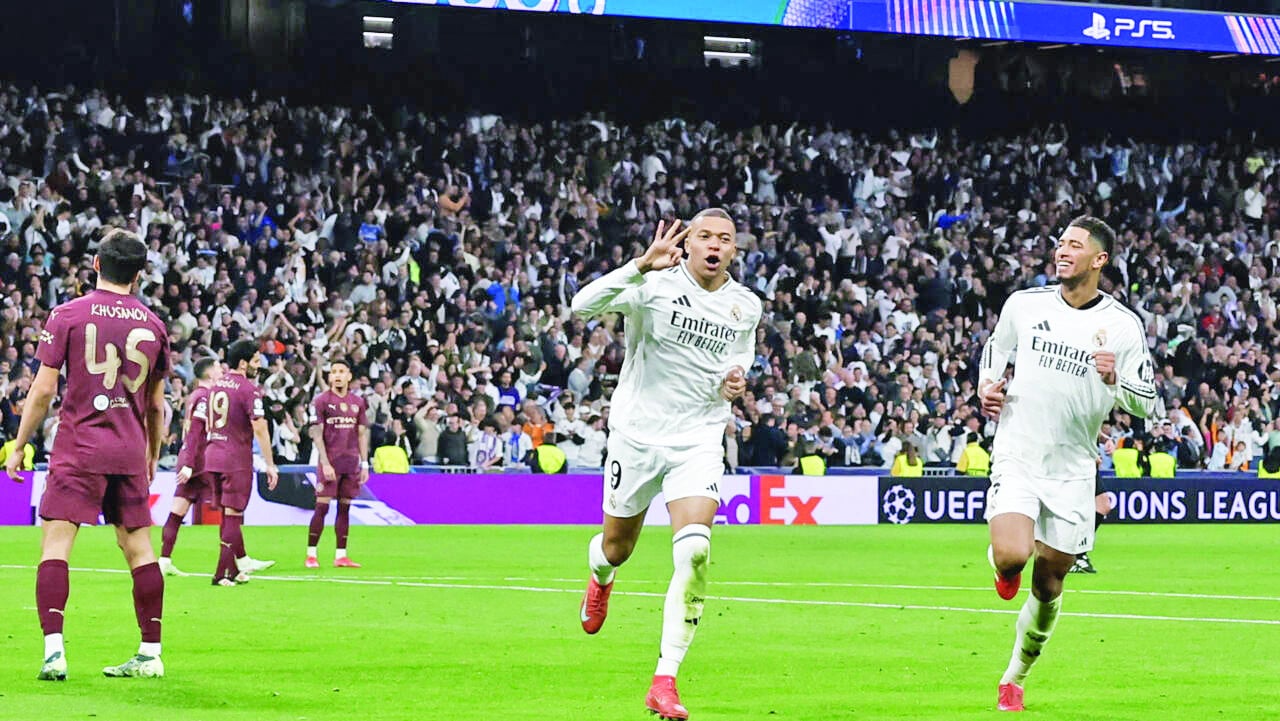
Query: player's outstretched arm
[[43, 390], [618, 291]]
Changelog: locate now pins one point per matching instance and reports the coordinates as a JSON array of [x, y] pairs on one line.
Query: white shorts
[[1062, 510], [635, 473]]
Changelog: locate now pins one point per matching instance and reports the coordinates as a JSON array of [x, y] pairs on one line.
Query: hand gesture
[[991, 394], [273, 477], [13, 463], [734, 384], [1105, 362], [664, 252]]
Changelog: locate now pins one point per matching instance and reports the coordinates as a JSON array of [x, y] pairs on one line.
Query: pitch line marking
[[731, 599], [883, 586]]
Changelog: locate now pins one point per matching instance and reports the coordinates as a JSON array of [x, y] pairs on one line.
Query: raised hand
[[664, 252]]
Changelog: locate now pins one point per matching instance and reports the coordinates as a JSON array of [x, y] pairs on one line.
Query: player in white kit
[[1079, 353], [690, 333]]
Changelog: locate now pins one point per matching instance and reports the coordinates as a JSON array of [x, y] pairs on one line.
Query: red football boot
[[1006, 589], [664, 700], [1010, 697], [345, 562], [595, 605], [312, 562]]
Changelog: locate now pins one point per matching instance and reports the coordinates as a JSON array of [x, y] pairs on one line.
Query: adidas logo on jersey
[[1042, 325], [684, 301]]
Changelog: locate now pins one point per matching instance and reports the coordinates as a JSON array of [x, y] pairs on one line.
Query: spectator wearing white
[[485, 451]]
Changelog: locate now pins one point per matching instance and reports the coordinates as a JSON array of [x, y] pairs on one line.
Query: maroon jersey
[[113, 347], [196, 437], [342, 417], [234, 403]]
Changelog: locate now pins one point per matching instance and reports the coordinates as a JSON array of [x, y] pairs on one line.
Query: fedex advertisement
[[521, 498]]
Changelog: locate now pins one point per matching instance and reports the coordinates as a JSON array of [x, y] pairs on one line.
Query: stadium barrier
[[1188, 498], [758, 499]]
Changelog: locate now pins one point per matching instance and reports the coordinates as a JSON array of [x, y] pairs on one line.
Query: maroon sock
[[53, 585], [317, 523], [170, 535], [343, 524], [148, 600], [233, 535], [226, 562]]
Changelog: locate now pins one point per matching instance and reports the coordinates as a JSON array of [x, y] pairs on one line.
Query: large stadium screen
[[1106, 25]]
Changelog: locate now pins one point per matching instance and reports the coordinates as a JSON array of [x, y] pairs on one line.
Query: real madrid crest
[[1100, 337], [735, 313]]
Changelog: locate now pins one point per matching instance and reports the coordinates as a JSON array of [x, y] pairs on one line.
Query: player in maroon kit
[[341, 435], [116, 355], [194, 485], [235, 420]]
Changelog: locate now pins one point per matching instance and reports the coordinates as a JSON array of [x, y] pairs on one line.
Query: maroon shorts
[[198, 489], [345, 486], [232, 489], [79, 497]]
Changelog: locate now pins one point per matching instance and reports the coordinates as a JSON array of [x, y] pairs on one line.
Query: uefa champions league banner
[[524, 498], [1192, 498]]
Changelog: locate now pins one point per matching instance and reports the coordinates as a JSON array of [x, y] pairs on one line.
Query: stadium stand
[[438, 254]]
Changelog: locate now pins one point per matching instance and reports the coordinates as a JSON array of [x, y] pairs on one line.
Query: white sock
[[599, 565], [149, 649], [682, 610], [1035, 625], [311, 551], [163, 560], [53, 644], [340, 553]]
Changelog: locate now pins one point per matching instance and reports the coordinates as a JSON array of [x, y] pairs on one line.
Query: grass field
[[459, 623]]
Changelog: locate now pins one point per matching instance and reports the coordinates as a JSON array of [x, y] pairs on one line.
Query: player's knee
[[618, 550], [1046, 587], [1012, 557]]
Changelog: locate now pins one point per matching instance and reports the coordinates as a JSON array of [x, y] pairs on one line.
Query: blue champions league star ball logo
[[899, 505]]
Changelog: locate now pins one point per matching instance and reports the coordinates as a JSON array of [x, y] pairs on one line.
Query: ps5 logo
[[1129, 27]]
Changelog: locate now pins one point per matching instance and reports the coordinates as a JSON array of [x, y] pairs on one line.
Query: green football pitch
[[1182, 622]]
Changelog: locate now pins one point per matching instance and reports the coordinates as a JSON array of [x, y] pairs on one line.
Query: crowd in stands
[[438, 256]]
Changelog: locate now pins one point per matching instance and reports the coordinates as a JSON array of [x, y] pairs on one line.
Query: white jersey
[[1056, 402], [681, 341]]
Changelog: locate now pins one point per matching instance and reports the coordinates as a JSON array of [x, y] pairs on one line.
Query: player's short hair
[[711, 213], [339, 362], [241, 351], [203, 366], [121, 256], [1099, 231]]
